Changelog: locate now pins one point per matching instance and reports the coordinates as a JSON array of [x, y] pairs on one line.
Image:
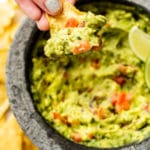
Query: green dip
[[100, 98], [69, 40]]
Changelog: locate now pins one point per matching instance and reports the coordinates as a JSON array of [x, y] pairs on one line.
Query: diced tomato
[[129, 96], [121, 101], [81, 24], [95, 63], [100, 112], [76, 137], [65, 75], [114, 98], [72, 22], [97, 48], [63, 119], [56, 115], [91, 135], [120, 80], [84, 46], [146, 107]]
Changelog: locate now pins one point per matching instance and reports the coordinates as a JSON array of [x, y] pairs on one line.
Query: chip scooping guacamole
[[97, 99], [79, 35]]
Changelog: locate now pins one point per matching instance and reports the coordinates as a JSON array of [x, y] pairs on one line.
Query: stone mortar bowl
[[20, 98]]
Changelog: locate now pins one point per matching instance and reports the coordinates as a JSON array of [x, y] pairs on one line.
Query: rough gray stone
[[21, 102]]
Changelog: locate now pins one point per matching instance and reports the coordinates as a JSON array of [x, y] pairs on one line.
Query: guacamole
[[78, 36], [97, 99]]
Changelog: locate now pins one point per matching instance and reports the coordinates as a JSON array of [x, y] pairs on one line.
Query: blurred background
[[11, 135]]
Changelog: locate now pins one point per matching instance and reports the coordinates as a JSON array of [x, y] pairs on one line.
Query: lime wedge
[[140, 43], [147, 72]]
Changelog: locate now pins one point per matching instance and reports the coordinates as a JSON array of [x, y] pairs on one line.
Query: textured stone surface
[[21, 102]]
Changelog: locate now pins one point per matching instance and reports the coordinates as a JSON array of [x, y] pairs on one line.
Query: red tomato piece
[[72, 22], [56, 115], [120, 80], [84, 46], [76, 137], [121, 101]]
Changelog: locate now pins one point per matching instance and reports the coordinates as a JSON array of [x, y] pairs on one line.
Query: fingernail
[[53, 6]]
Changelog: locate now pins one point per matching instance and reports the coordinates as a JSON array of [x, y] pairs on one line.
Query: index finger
[[30, 9]]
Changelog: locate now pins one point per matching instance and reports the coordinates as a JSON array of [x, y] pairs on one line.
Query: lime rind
[[140, 43], [147, 72]]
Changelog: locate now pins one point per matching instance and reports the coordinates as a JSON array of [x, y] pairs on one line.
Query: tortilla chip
[[69, 11], [6, 15], [6, 39], [10, 135], [27, 145], [9, 125], [3, 57], [13, 4], [4, 108], [3, 93]]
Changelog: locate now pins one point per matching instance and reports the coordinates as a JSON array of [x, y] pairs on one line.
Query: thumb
[[52, 7], [72, 1]]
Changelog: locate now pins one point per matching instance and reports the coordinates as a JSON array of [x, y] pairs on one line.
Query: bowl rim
[[20, 99]]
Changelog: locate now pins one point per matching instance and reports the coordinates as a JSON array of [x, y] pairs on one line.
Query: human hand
[[36, 9]]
